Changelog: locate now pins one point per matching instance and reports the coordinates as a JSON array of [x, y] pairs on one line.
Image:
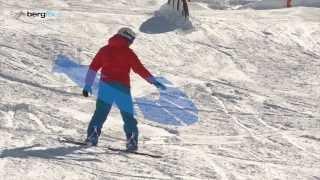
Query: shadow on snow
[[58, 153]]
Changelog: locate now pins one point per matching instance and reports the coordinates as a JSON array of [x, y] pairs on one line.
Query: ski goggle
[[129, 36]]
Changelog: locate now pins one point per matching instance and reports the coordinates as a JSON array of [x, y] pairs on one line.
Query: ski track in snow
[[253, 76]]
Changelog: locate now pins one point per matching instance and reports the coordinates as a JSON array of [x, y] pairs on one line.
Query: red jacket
[[116, 59]]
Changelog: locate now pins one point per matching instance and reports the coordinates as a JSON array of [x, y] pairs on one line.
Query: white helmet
[[127, 33]]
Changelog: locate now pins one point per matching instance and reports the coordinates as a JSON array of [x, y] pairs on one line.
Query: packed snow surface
[[252, 75]]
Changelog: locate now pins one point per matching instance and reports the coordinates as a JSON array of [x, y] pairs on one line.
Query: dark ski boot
[[132, 143], [92, 140]]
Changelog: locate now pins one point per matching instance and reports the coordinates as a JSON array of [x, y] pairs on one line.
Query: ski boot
[[132, 144], [92, 140]]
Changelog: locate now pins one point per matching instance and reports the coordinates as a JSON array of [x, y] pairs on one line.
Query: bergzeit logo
[[43, 14]]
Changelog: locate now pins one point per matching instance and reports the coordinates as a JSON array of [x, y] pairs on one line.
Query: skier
[[115, 61]]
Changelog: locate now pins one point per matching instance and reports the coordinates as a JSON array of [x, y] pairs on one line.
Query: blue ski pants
[[119, 94]]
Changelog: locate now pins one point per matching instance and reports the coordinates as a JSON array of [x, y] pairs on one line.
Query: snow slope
[[253, 76], [275, 4], [255, 4]]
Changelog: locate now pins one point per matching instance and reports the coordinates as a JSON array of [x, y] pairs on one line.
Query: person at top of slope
[[115, 61]]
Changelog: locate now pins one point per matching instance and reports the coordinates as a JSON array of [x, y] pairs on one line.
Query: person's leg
[[125, 105], [99, 117], [130, 126], [103, 107]]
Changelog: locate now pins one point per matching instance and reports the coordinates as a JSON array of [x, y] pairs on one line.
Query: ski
[[134, 152], [72, 141], [80, 143]]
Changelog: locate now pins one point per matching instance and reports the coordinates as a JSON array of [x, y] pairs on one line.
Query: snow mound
[[166, 19], [174, 17]]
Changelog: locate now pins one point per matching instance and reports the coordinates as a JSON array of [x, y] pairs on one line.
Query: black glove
[[86, 90], [159, 85]]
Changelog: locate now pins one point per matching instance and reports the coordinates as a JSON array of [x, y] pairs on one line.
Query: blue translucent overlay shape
[[74, 71], [172, 108]]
